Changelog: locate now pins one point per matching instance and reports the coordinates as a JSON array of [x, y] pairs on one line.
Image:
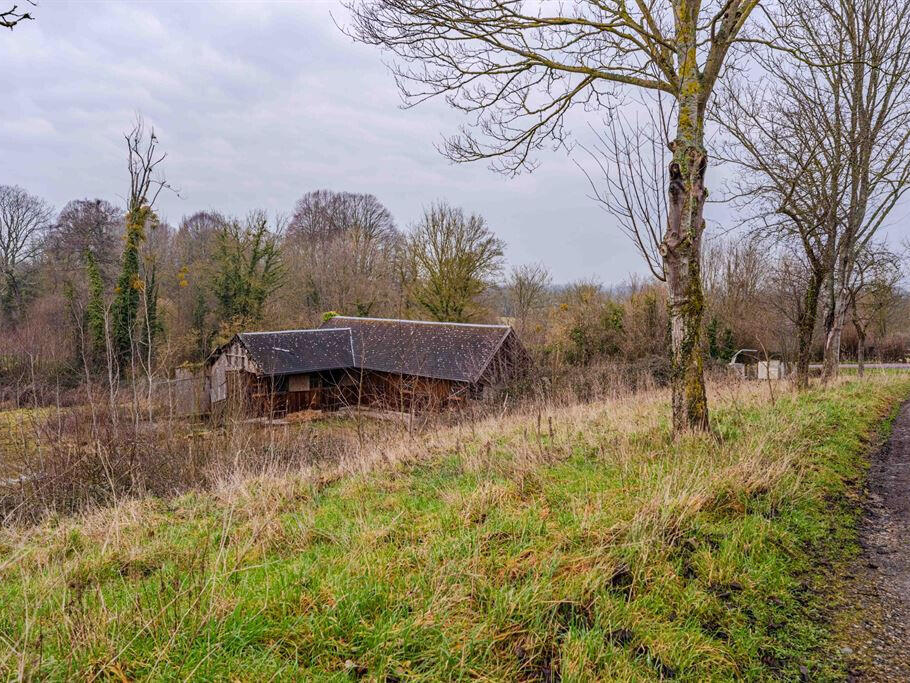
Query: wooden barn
[[400, 365]]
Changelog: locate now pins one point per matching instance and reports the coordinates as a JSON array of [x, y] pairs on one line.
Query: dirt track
[[878, 647]]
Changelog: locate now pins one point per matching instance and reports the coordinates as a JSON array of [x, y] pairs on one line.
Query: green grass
[[592, 546]]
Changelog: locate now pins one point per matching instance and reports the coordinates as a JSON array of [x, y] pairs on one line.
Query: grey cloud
[[257, 103]]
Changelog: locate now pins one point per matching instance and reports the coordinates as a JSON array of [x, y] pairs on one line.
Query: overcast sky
[[255, 104]]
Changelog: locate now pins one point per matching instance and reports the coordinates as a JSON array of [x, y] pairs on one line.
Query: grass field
[[581, 545]]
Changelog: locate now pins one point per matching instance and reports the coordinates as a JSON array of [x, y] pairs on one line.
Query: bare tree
[[855, 55], [784, 295], [871, 290], [518, 70], [146, 183], [143, 160], [735, 270], [631, 159], [24, 219], [324, 214], [86, 226], [788, 184], [527, 290], [454, 259], [344, 245], [11, 17], [822, 144]]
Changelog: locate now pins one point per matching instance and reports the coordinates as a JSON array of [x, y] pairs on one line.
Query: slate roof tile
[[298, 351], [452, 351]]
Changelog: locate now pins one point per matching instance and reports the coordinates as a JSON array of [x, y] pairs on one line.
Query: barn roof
[[459, 352], [297, 351], [452, 351]]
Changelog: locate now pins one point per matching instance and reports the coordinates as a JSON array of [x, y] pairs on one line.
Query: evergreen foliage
[[596, 335], [247, 270], [729, 346], [713, 348], [94, 309], [129, 285], [721, 345]]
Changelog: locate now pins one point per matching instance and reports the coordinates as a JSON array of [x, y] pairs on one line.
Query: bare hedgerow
[[71, 459]]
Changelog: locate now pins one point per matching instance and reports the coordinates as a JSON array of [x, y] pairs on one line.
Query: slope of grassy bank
[[576, 546]]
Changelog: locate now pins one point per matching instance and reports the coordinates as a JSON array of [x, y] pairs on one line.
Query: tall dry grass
[[63, 458], [65, 461]]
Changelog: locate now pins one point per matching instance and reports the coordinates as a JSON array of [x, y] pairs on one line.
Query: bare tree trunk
[[834, 327], [681, 251], [860, 339], [805, 326]]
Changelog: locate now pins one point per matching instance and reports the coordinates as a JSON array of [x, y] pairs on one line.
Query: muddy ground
[[877, 646]]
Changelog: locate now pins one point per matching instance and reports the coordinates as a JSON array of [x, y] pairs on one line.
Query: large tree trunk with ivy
[[125, 308], [143, 158], [681, 250], [95, 323]]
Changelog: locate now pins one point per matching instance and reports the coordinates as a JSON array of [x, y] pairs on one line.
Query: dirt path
[[878, 647]]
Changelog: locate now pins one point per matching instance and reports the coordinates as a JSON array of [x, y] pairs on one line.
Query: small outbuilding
[[752, 364], [401, 365]]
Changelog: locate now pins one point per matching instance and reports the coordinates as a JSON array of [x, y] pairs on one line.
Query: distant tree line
[[98, 290], [138, 295]]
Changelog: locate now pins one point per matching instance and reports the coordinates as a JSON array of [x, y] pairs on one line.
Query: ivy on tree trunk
[[125, 308], [94, 309]]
